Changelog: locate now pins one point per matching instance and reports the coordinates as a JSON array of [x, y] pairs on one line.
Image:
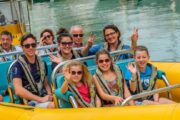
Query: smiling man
[[6, 46], [30, 75]]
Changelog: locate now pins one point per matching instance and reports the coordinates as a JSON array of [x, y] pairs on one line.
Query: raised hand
[[55, 59], [134, 36], [91, 40], [132, 68], [66, 73]]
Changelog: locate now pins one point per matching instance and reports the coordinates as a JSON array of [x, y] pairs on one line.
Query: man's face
[[77, 34], [6, 42]]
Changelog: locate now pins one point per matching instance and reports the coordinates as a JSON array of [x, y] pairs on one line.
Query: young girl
[[79, 81], [109, 80], [142, 77]]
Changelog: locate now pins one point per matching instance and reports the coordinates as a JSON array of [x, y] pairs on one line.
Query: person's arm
[[105, 96], [134, 39], [67, 77], [133, 81], [23, 93], [127, 93], [85, 49], [156, 96]]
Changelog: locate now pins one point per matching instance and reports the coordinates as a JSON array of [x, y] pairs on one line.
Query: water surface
[[158, 21]]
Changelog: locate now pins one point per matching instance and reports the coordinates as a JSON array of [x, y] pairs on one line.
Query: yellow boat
[[15, 19], [145, 112]]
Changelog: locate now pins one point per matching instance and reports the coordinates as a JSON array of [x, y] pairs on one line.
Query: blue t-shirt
[[95, 48], [144, 76], [18, 72]]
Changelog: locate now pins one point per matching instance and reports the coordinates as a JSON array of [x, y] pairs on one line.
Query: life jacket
[[119, 47], [12, 49], [103, 83], [37, 88], [79, 98], [152, 82]]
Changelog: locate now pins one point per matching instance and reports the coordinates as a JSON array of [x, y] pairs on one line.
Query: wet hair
[[141, 48], [113, 27], [7, 33], [101, 52], [26, 36], [75, 26], [86, 78], [63, 33], [49, 31], [62, 30]]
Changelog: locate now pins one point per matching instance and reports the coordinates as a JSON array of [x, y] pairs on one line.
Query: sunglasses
[[67, 43], [110, 34], [78, 72], [33, 45], [76, 35], [47, 37], [102, 61]]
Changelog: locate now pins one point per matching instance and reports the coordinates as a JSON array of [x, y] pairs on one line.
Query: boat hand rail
[[144, 94], [9, 81], [38, 48], [54, 72]]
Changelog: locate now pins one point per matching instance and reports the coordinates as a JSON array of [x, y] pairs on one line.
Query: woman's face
[[66, 45], [104, 62], [142, 58], [111, 36], [76, 73], [48, 38]]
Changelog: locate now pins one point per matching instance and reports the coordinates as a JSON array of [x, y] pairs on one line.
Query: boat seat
[[48, 62], [13, 97], [3, 80], [64, 98]]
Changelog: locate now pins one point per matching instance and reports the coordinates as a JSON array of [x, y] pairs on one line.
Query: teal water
[[158, 21]]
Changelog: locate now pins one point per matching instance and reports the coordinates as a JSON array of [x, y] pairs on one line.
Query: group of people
[[107, 87]]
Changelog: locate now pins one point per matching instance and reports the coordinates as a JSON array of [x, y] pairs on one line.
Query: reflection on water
[[158, 21]]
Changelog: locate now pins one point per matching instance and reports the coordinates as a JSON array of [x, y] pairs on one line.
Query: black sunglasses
[[67, 43], [76, 35], [48, 36], [102, 61], [33, 45], [76, 72]]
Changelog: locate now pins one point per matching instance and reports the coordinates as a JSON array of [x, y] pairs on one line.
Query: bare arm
[[67, 76], [134, 39], [86, 48], [156, 96], [105, 96], [64, 87], [127, 93], [133, 83], [23, 93]]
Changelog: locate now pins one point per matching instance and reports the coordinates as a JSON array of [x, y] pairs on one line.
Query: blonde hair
[[86, 78]]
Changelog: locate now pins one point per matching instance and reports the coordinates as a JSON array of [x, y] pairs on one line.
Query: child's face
[[142, 58], [76, 74], [104, 62]]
